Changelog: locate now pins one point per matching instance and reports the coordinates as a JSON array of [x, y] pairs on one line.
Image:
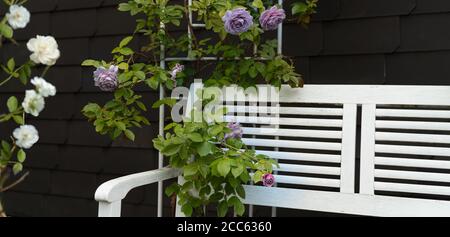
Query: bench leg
[[108, 209]]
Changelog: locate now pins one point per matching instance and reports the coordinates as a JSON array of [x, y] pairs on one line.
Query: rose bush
[[214, 160], [43, 50]]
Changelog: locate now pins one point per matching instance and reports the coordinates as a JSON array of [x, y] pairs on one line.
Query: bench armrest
[[116, 189]]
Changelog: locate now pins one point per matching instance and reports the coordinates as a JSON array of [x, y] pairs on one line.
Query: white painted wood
[[412, 175], [321, 182], [329, 146], [192, 100], [298, 156], [440, 126], [309, 169], [345, 203], [418, 163], [348, 149], [413, 150], [111, 193], [364, 94], [285, 121], [368, 94], [367, 149], [412, 137], [283, 132], [178, 212], [109, 209], [116, 189], [286, 110], [413, 113], [412, 188]]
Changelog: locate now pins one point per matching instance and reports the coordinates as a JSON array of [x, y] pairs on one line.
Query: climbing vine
[[43, 51], [214, 160]]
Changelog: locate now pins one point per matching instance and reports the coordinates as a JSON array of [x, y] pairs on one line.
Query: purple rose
[[175, 70], [268, 180], [236, 131], [106, 79], [271, 18], [237, 21]]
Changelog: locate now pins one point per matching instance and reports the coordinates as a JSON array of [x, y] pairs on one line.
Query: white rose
[[18, 16], [45, 50], [43, 87], [33, 103], [26, 136]]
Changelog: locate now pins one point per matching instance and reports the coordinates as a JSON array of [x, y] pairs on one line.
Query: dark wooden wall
[[349, 41]]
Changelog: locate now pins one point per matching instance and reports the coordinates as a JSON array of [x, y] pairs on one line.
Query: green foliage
[[7, 153], [6, 30], [118, 115], [140, 67], [12, 158], [214, 169], [304, 10]]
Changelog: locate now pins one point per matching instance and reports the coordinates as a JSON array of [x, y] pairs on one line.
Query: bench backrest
[[315, 142]]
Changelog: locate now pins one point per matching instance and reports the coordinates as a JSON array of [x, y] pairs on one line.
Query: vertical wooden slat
[[109, 209], [178, 212], [367, 149], [251, 207], [348, 149]]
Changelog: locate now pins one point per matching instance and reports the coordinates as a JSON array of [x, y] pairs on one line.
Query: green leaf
[[240, 191], [214, 130], [90, 62], [166, 101], [237, 171], [298, 8], [171, 149], [21, 155], [261, 67], [195, 137], [123, 66], [222, 209], [152, 83], [126, 51], [204, 148], [11, 64], [257, 177], [141, 106], [239, 208], [125, 41], [173, 188], [12, 104], [140, 75], [129, 134], [124, 7], [223, 167], [91, 107], [187, 209], [216, 197], [258, 4], [6, 31], [121, 126], [190, 170], [253, 72], [116, 133], [17, 168], [6, 146], [18, 119], [204, 170]]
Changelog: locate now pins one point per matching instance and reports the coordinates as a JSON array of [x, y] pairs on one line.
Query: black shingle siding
[[349, 41]]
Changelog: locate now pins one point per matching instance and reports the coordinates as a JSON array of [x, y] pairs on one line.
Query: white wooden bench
[[404, 153]]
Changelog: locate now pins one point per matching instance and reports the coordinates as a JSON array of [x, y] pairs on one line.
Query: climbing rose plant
[[214, 160], [43, 51]]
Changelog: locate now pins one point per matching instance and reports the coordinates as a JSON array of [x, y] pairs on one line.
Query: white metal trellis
[[163, 61]]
